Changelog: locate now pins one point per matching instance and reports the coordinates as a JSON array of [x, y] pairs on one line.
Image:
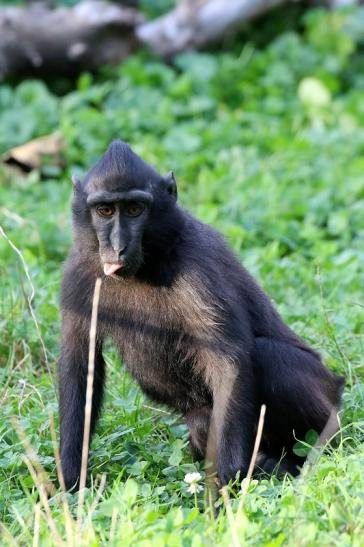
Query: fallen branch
[[44, 41], [194, 24]]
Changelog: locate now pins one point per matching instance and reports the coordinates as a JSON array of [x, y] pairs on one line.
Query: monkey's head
[[122, 209]]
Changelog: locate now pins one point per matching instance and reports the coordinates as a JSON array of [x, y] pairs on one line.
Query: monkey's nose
[[122, 251]]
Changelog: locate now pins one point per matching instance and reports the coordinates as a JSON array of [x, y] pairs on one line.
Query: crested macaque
[[192, 326]]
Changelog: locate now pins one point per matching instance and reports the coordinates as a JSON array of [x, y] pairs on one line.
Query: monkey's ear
[[76, 183], [170, 184]]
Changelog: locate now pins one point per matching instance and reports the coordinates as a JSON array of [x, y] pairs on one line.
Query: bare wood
[[194, 24], [45, 41], [341, 3]]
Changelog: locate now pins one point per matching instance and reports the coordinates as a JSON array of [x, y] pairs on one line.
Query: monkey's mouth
[[126, 267], [111, 268]]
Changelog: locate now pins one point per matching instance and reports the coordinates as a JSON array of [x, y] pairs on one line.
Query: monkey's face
[[119, 210], [119, 222]]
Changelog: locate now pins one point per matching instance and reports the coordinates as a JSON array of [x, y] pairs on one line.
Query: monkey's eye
[[105, 210], [134, 209]]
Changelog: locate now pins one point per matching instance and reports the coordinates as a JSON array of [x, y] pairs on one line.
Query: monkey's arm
[[234, 419], [72, 370]]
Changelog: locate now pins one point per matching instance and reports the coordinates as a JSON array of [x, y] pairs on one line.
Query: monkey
[[190, 323]]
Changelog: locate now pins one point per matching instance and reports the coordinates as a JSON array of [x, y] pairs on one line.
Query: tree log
[[194, 24], [45, 42], [41, 41]]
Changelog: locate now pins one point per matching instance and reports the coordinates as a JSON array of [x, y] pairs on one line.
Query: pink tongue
[[110, 268]]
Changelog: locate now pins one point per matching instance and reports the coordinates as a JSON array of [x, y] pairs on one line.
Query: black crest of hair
[[190, 323], [121, 163]]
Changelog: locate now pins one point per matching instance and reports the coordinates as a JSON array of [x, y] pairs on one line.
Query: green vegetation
[[268, 146]]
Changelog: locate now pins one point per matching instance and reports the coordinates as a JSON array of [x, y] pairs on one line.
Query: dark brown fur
[[192, 326]]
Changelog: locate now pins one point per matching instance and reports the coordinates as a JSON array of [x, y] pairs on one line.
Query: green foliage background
[[268, 146]]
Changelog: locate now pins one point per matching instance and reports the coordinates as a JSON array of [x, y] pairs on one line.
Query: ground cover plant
[[268, 146]]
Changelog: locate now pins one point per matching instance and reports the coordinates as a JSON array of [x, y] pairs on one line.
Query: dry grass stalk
[[29, 297], [66, 510], [97, 497], [33, 458], [42, 480], [258, 438], [36, 525], [114, 519], [4, 391], [56, 453], [89, 393], [44, 501], [4, 533], [230, 517]]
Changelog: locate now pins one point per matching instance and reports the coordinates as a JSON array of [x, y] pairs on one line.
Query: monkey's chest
[[166, 337], [162, 359]]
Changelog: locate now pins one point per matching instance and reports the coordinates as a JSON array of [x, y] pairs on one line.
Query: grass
[[268, 146]]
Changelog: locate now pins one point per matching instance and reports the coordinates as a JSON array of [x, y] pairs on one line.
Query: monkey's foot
[[269, 464]]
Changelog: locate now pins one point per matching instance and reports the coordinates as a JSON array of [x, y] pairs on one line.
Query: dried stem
[[33, 458], [230, 517], [30, 297], [44, 500], [36, 524], [114, 518], [258, 438], [66, 509], [89, 393], [97, 497]]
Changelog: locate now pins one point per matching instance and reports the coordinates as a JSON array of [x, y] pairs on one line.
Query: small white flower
[[192, 477], [195, 488]]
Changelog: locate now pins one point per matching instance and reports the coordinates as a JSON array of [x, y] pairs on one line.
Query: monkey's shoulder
[[78, 282]]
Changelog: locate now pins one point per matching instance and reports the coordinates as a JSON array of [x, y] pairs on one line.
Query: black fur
[[166, 340]]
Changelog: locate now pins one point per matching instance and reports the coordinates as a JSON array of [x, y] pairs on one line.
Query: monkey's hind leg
[[300, 393], [198, 421]]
